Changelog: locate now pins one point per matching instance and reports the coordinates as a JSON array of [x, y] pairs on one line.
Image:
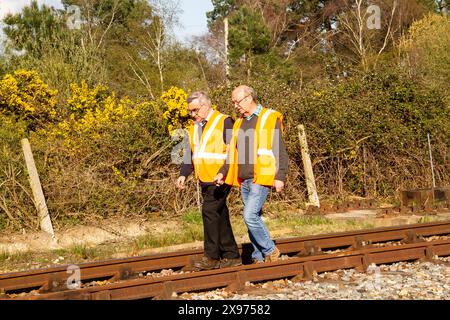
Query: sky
[[192, 18], [14, 6]]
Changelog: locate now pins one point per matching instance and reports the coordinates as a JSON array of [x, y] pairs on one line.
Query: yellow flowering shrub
[[104, 115], [24, 94], [175, 109], [83, 98], [93, 112]]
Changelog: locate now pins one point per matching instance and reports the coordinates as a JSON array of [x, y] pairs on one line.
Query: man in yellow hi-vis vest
[[205, 155], [257, 160]]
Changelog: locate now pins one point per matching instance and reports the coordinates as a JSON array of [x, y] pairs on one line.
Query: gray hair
[[248, 91], [201, 96], [251, 91]]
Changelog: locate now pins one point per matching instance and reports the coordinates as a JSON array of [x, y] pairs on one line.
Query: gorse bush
[[176, 110], [105, 152], [24, 95], [97, 154], [92, 112], [84, 99]]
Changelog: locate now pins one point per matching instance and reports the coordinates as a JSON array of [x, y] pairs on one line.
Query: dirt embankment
[[108, 231]]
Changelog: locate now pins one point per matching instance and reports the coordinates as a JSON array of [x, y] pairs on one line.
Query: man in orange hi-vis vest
[[257, 160], [205, 155]]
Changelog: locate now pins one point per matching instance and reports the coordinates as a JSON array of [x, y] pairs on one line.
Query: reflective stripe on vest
[[208, 150], [208, 134], [264, 119], [265, 152], [265, 116]]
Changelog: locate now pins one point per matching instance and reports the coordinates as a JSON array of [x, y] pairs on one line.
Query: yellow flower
[[24, 93], [175, 113]]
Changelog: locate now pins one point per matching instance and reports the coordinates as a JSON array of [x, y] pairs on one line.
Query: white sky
[[192, 19], [14, 6]]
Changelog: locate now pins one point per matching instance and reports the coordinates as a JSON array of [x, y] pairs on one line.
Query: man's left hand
[[279, 185], [218, 179]]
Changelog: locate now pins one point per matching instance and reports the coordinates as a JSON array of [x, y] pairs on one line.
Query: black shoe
[[207, 264], [224, 263]]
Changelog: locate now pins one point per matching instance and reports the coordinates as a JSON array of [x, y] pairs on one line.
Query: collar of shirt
[[255, 113]]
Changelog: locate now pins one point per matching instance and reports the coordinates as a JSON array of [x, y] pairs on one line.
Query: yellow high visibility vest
[[209, 151], [265, 162]]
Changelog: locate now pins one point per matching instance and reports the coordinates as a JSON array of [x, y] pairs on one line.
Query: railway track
[[305, 255]]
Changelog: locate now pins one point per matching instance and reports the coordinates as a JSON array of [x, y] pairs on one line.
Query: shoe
[[256, 261], [206, 263], [273, 256], [224, 263]]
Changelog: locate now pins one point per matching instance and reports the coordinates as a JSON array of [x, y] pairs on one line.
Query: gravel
[[398, 281]]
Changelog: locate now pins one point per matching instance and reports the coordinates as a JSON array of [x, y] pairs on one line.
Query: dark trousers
[[219, 240]]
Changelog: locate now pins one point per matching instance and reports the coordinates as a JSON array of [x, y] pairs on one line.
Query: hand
[[180, 182], [279, 185], [218, 179]]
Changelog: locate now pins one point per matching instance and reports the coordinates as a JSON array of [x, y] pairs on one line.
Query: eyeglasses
[[238, 102], [194, 111]]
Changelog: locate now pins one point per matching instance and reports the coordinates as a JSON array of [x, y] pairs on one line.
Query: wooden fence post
[[38, 194], [309, 175]]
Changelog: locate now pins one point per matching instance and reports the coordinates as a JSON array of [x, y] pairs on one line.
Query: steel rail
[[54, 279], [234, 278]]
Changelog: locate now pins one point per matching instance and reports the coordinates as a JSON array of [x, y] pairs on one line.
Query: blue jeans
[[254, 196]]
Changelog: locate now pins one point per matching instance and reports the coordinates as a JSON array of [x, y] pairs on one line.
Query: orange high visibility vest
[[209, 151], [265, 162]]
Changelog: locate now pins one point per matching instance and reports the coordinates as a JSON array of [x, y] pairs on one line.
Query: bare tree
[[157, 36], [361, 26], [212, 45], [140, 74], [96, 24]]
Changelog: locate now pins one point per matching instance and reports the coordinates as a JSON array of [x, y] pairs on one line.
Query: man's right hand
[[180, 182]]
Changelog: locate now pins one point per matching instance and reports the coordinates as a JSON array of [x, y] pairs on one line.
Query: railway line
[[301, 257]]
